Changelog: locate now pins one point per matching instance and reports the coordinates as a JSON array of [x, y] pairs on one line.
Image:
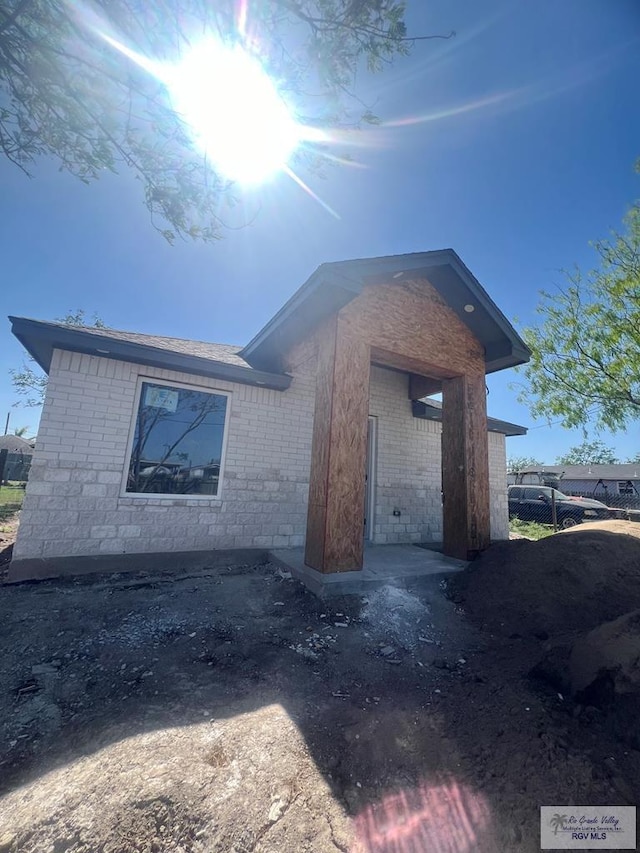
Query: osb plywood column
[[465, 466], [338, 457]]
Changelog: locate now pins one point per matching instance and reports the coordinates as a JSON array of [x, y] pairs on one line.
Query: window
[[515, 493], [534, 494], [178, 441], [625, 487]]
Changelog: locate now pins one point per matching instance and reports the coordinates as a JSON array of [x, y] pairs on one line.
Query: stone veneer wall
[[75, 505], [409, 475], [498, 486]]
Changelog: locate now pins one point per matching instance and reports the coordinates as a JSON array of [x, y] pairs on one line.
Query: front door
[[370, 478]]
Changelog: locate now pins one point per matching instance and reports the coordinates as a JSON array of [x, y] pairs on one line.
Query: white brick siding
[[409, 474], [74, 503], [498, 486]]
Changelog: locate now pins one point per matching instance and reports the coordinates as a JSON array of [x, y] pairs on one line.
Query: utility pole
[[6, 426]]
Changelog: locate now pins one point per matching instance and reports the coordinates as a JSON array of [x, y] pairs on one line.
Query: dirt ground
[[231, 710], [8, 533]]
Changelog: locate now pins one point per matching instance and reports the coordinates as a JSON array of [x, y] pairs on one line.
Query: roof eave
[[347, 279], [514, 358], [340, 289], [40, 339], [426, 412]]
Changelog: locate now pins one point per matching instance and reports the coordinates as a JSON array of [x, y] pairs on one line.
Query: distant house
[[313, 434], [600, 481], [17, 460]]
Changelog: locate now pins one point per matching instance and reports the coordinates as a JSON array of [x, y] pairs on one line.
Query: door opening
[[370, 478]]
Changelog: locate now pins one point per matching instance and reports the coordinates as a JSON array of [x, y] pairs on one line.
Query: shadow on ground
[[232, 710]]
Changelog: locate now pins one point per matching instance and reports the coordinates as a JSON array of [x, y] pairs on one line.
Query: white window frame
[[132, 430], [626, 484]]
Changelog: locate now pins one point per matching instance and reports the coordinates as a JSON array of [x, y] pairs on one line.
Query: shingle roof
[[203, 358], [15, 444], [225, 353]]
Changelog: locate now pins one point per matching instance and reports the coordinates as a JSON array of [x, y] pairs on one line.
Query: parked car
[[533, 503]]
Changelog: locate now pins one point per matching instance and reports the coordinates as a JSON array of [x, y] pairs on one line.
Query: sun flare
[[234, 111]]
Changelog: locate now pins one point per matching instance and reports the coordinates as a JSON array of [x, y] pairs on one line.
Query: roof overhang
[[333, 285], [432, 411], [40, 340]]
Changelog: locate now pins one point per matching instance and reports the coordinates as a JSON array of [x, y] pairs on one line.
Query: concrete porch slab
[[383, 564]]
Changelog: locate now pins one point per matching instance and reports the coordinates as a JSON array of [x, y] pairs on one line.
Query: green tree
[[21, 432], [523, 463], [29, 381], [68, 93], [589, 453], [585, 363]]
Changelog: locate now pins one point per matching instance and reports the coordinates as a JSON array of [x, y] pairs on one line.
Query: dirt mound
[[606, 660], [573, 581], [600, 670], [603, 670]]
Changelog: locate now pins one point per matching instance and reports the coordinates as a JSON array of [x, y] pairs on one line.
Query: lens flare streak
[[438, 818], [288, 171]]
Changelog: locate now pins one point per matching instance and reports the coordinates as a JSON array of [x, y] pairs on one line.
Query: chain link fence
[[629, 501], [14, 468], [549, 506]]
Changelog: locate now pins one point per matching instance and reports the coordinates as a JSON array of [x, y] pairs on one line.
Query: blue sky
[[513, 143]]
